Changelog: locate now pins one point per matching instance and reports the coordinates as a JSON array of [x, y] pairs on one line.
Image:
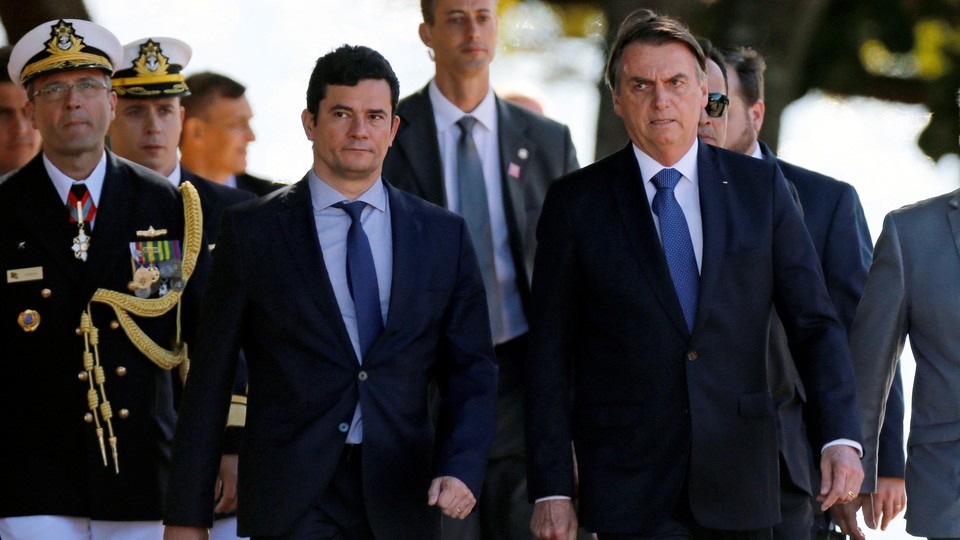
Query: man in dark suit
[[216, 132], [19, 140], [520, 154], [834, 218], [146, 130], [349, 298], [656, 271], [103, 260]]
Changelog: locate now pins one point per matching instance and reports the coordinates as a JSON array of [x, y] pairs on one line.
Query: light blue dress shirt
[[332, 226]]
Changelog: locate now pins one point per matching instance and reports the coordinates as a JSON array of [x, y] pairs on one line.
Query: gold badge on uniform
[[157, 267], [29, 320]]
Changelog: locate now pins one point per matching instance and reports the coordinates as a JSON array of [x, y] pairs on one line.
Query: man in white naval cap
[[149, 119], [103, 261]]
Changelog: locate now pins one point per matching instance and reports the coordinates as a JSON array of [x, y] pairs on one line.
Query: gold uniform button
[[82, 376], [692, 355], [114, 325], [121, 371], [124, 413], [46, 293], [88, 418], [79, 331]]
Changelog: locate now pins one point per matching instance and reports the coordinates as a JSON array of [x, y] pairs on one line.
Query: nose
[[358, 127], [22, 119], [660, 96], [153, 123], [473, 28], [72, 98]]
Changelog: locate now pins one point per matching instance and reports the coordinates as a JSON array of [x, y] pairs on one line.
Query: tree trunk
[[21, 16]]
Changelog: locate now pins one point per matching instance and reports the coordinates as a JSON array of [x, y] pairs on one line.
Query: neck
[[350, 188], [77, 167], [466, 92]]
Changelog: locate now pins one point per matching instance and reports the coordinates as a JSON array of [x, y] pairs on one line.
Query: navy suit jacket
[[257, 186], [269, 293], [835, 220], [649, 405]]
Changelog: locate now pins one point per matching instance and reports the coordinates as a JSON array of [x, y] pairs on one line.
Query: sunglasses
[[716, 104]]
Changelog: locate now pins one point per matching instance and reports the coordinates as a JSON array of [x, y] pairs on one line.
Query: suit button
[[362, 375], [344, 427], [692, 355], [46, 293]]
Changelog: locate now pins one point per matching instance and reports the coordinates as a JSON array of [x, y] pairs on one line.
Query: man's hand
[[226, 490], [185, 533], [845, 515], [888, 501], [451, 496], [554, 520], [841, 475]]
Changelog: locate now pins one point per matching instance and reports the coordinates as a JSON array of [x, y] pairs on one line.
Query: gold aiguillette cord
[[96, 376]]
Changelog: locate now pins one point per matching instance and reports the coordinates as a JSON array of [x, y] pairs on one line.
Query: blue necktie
[[677, 246], [362, 278], [476, 212]]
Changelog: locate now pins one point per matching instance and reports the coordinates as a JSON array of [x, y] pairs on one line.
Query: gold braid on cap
[[124, 305]]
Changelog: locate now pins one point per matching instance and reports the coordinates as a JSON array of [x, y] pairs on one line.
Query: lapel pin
[[22, 246], [513, 170], [523, 153], [724, 182]]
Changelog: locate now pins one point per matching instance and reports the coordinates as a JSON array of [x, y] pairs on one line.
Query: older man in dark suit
[[349, 298], [656, 271], [516, 155]]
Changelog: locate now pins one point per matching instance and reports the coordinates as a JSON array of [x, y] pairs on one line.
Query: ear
[[306, 117], [393, 129], [113, 106], [183, 114], [192, 129], [425, 36], [616, 103], [756, 115]]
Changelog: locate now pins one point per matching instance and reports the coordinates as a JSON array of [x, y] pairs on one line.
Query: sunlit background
[[271, 46]]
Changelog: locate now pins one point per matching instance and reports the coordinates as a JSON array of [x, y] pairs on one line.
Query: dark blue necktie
[[677, 246], [362, 278]]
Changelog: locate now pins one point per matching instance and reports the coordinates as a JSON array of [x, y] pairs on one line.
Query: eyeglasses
[[56, 92], [716, 104]]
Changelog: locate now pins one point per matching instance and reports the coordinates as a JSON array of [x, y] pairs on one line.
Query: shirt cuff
[[553, 498], [846, 442]]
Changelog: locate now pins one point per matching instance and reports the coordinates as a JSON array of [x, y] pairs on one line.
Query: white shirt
[[63, 183], [175, 176], [446, 115], [687, 192]]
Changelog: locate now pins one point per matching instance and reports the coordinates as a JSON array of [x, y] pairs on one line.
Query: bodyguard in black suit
[[102, 271], [349, 298], [835, 220], [521, 154], [656, 271]]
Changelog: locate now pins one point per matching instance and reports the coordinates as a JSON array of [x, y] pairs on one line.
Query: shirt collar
[[687, 165], [62, 182], [446, 114], [323, 196], [176, 176], [757, 151]]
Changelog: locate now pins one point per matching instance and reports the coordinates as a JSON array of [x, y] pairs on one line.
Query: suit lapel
[[110, 238], [300, 234], [39, 208], [417, 139], [515, 152], [713, 212], [405, 229], [631, 201], [954, 217]]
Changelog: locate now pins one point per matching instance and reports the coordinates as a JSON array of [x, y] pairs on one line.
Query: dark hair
[[4, 60], [712, 53], [347, 66], [749, 65], [645, 26], [207, 86], [426, 8]]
